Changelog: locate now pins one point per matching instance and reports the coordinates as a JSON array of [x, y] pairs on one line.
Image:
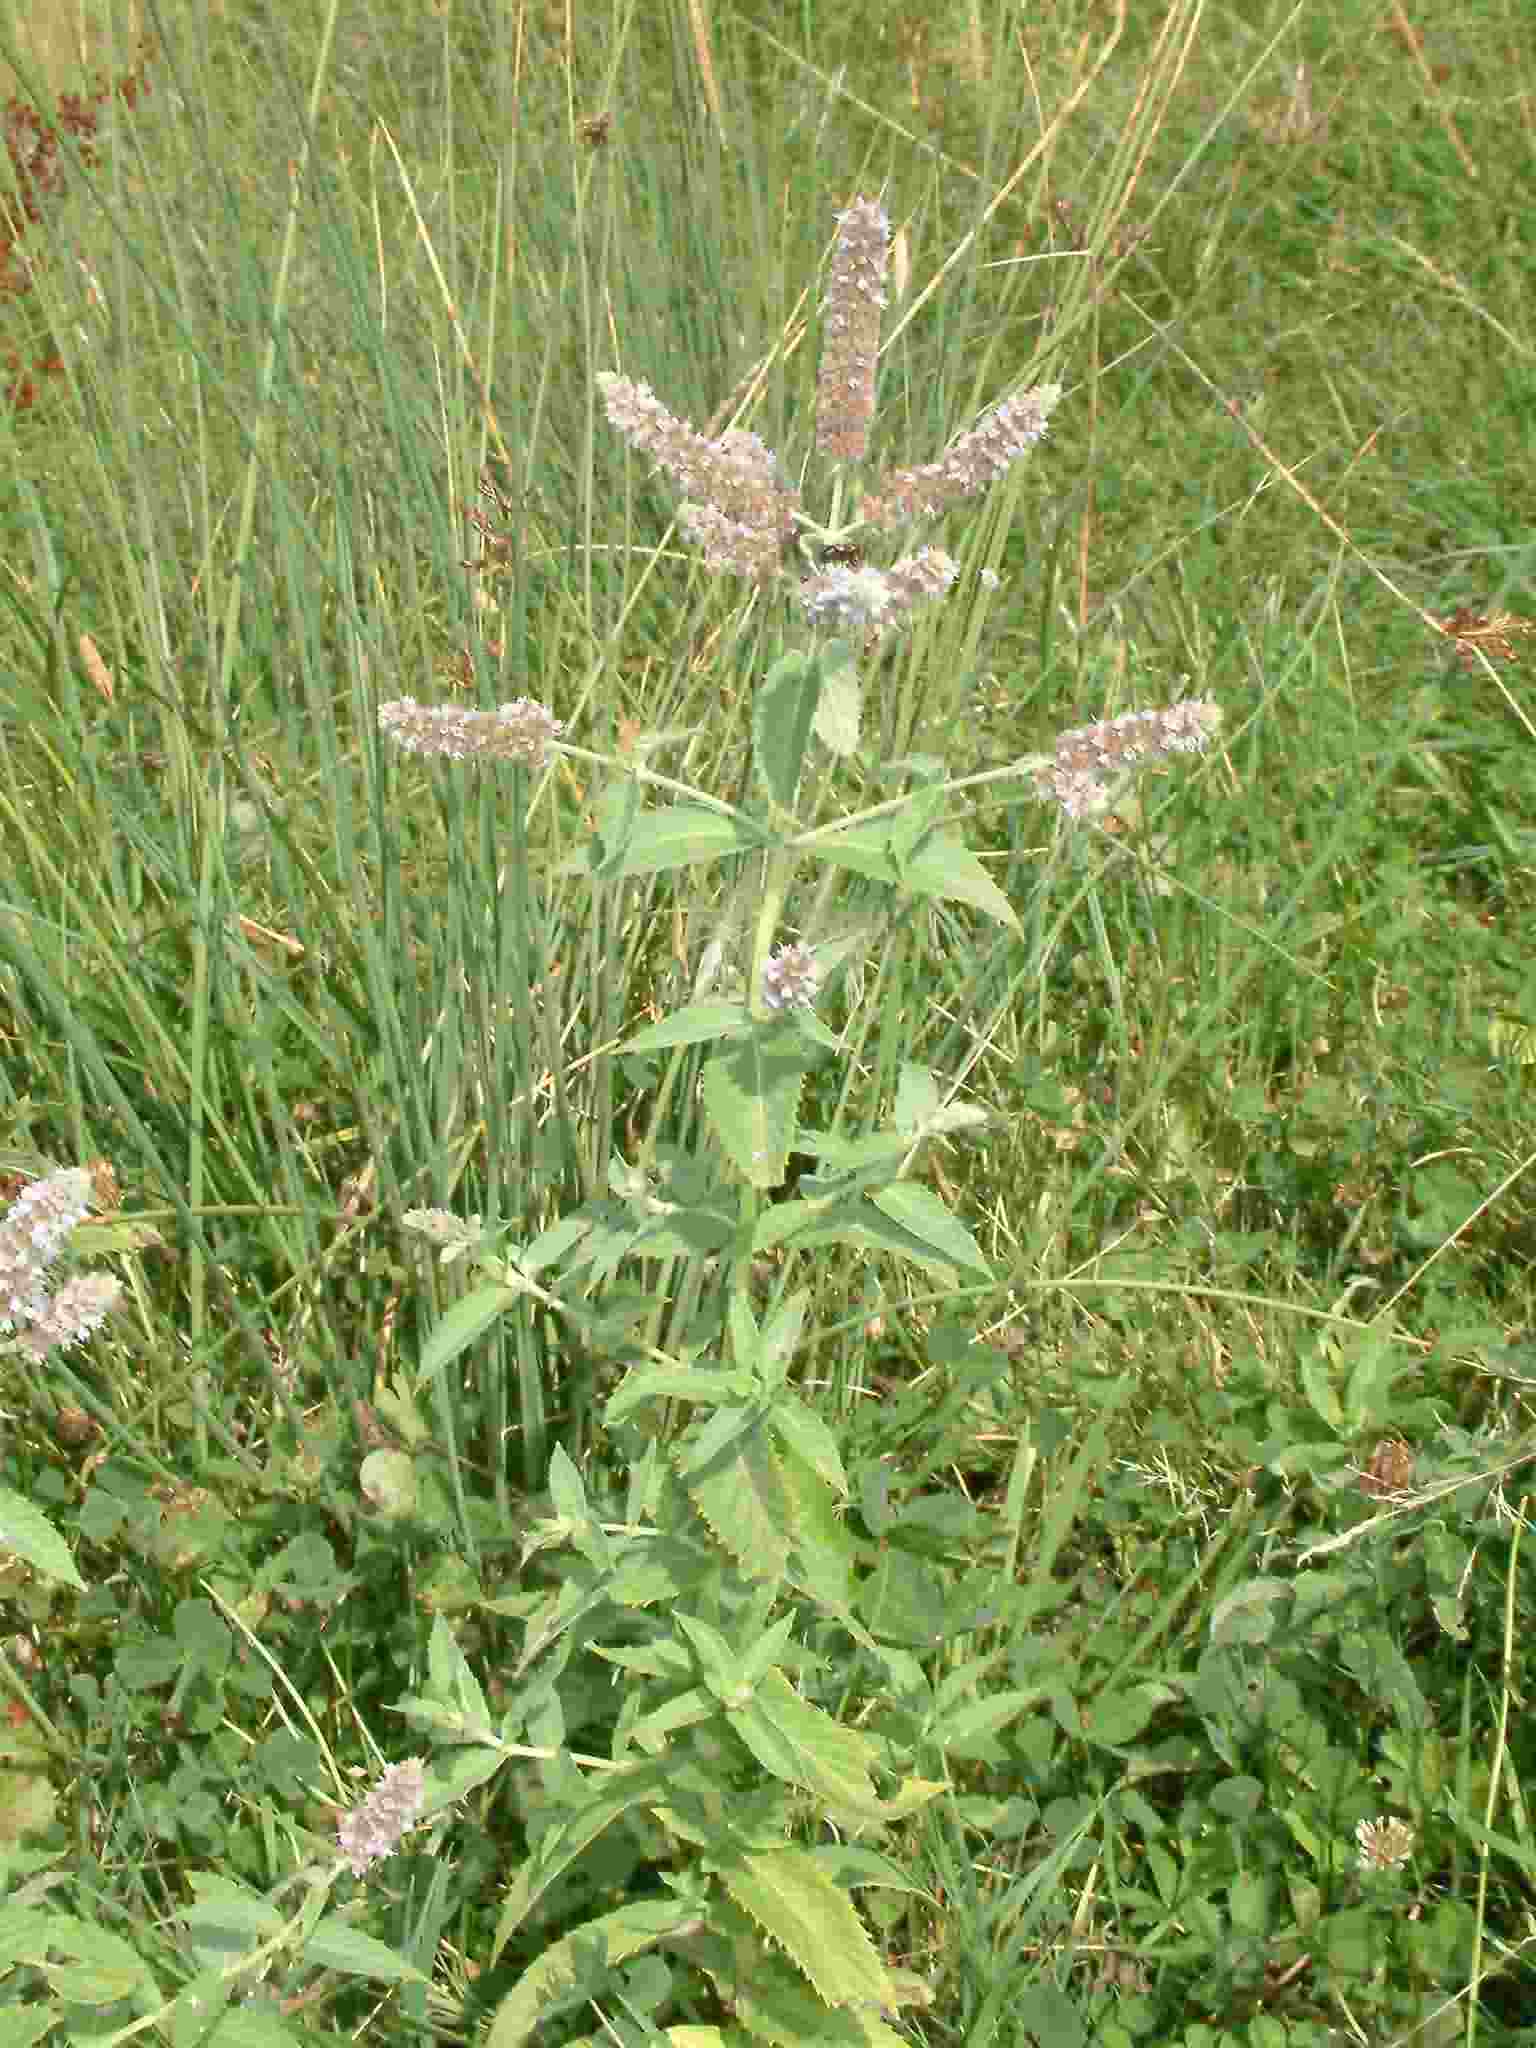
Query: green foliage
[[988, 1508]]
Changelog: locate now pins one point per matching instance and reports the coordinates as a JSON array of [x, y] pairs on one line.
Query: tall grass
[[1183, 1535]]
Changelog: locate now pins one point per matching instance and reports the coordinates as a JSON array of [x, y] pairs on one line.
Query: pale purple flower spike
[[32, 1234], [519, 731], [392, 1807]]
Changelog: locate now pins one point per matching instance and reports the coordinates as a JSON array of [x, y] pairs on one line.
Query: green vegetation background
[[1255, 1185]]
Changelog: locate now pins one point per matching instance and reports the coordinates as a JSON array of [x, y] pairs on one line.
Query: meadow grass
[[1141, 1644]]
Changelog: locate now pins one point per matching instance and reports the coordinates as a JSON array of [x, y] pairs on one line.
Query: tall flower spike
[[968, 465], [738, 509], [1091, 759], [850, 330], [519, 731]]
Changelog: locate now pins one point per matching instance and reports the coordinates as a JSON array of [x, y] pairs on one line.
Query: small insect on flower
[[841, 554]]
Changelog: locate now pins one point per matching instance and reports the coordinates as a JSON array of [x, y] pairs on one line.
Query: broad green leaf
[[226, 1918], [751, 1093], [28, 1532], [644, 1785], [715, 1443], [597, 1946], [809, 1438], [779, 2010], [919, 1210], [335, 1945], [747, 1505], [805, 1226], [796, 1741], [783, 707], [719, 1664], [565, 1487], [781, 1337], [463, 1323], [1045, 2015], [615, 813], [697, 1024], [659, 841], [917, 1098], [795, 1903], [943, 867], [711, 1389], [840, 705], [553, 1244], [104, 1967]]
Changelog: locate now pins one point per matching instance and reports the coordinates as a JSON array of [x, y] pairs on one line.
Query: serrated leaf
[[335, 1945], [943, 867], [810, 1439], [795, 1903], [746, 1504], [796, 1741], [780, 2011], [706, 1386], [599, 1945], [27, 1532]]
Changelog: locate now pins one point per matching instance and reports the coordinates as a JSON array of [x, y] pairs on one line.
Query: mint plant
[[725, 1590]]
